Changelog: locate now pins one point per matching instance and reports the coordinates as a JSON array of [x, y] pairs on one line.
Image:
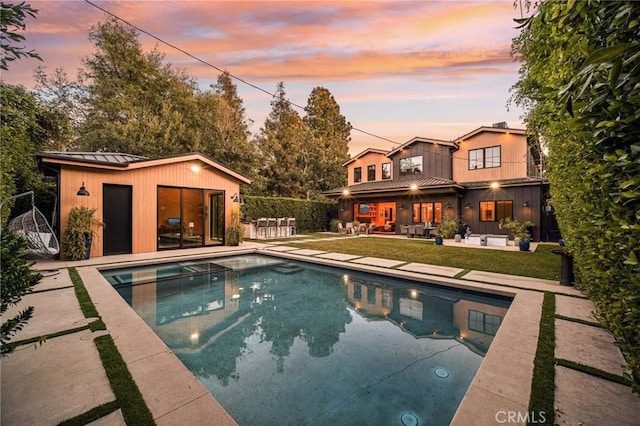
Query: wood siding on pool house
[[144, 181]]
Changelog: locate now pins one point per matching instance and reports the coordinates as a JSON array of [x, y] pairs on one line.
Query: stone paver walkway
[[62, 378], [581, 398]]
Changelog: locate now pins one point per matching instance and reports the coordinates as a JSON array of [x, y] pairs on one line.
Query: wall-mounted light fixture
[[82, 192], [413, 187], [237, 199], [447, 206], [525, 204], [495, 185], [402, 206], [467, 205], [345, 192]]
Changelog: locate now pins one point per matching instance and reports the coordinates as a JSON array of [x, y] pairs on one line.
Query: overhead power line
[[202, 61]]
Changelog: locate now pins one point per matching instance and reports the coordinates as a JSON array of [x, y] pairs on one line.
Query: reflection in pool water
[[282, 342]]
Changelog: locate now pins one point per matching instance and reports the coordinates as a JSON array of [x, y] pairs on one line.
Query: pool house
[[147, 205]]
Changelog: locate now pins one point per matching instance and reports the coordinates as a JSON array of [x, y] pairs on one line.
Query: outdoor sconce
[[467, 205], [82, 192], [402, 206], [447, 206], [525, 204], [236, 198]]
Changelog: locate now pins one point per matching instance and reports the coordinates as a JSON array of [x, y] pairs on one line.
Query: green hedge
[[580, 81], [310, 216]]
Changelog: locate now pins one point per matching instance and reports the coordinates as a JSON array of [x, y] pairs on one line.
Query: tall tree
[[12, 18], [21, 133], [282, 143], [135, 104], [236, 151], [60, 101], [329, 144]]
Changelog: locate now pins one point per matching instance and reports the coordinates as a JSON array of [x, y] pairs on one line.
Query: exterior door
[[117, 214]]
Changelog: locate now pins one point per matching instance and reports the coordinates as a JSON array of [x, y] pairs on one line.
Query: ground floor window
[[189, 217], [381, 215], [427, 212], [495, 211]]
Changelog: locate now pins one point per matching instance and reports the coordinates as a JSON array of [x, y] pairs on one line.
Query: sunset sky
[[398, 69]]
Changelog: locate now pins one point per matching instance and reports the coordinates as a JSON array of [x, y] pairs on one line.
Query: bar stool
[[261, 225], [272, 227], [283, 230], [291, 225]]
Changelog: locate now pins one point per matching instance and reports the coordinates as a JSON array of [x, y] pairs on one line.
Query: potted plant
[[235, 229], [521, 232], [80, 232], [462, 229], [448, 227]]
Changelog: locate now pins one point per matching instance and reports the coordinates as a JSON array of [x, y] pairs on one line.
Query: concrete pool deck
[[64, 377]]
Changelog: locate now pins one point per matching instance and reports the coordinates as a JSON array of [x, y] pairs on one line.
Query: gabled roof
[[363, 153], [419, 139], [378, 187], [491, 130], [120, 161]]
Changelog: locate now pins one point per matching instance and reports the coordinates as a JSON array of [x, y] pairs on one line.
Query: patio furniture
[[272, 227], [420, 231], [341, 229], [291, 226], [261, 227], [283, 229], [404, 230], [428, 229], [412, 231], [349, 227], [41, 240]]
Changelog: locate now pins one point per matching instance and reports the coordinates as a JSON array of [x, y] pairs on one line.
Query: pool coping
[[501, 385]]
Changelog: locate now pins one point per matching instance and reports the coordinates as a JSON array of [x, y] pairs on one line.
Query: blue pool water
[[279, 342]]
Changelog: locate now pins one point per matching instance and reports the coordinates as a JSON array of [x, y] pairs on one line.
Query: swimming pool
[[283, 342]]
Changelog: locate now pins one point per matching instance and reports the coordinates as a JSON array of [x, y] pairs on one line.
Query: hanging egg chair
[[41, 240]]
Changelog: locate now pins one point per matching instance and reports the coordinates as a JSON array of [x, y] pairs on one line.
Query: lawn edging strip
[[128, 396], [92, 415], [541, 400], [594, 372], [579, 321], [86, 305]]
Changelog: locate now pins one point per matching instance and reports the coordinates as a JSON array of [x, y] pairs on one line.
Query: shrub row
[[581, 80], [311, 215]]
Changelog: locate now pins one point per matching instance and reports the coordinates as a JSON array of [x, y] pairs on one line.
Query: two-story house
[[482, 177]]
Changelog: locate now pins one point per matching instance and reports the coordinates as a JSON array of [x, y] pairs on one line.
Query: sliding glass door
[[180, 217]]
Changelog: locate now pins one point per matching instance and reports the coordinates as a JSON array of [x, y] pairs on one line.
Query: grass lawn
[[539, 264]]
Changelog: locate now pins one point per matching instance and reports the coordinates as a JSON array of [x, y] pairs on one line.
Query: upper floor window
[[494, 211], [371, 172], [357, 174], [411, 165], [484, 323], [484, 158], [386, 171]]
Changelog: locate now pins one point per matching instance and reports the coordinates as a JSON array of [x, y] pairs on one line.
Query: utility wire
[[202, 61]]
